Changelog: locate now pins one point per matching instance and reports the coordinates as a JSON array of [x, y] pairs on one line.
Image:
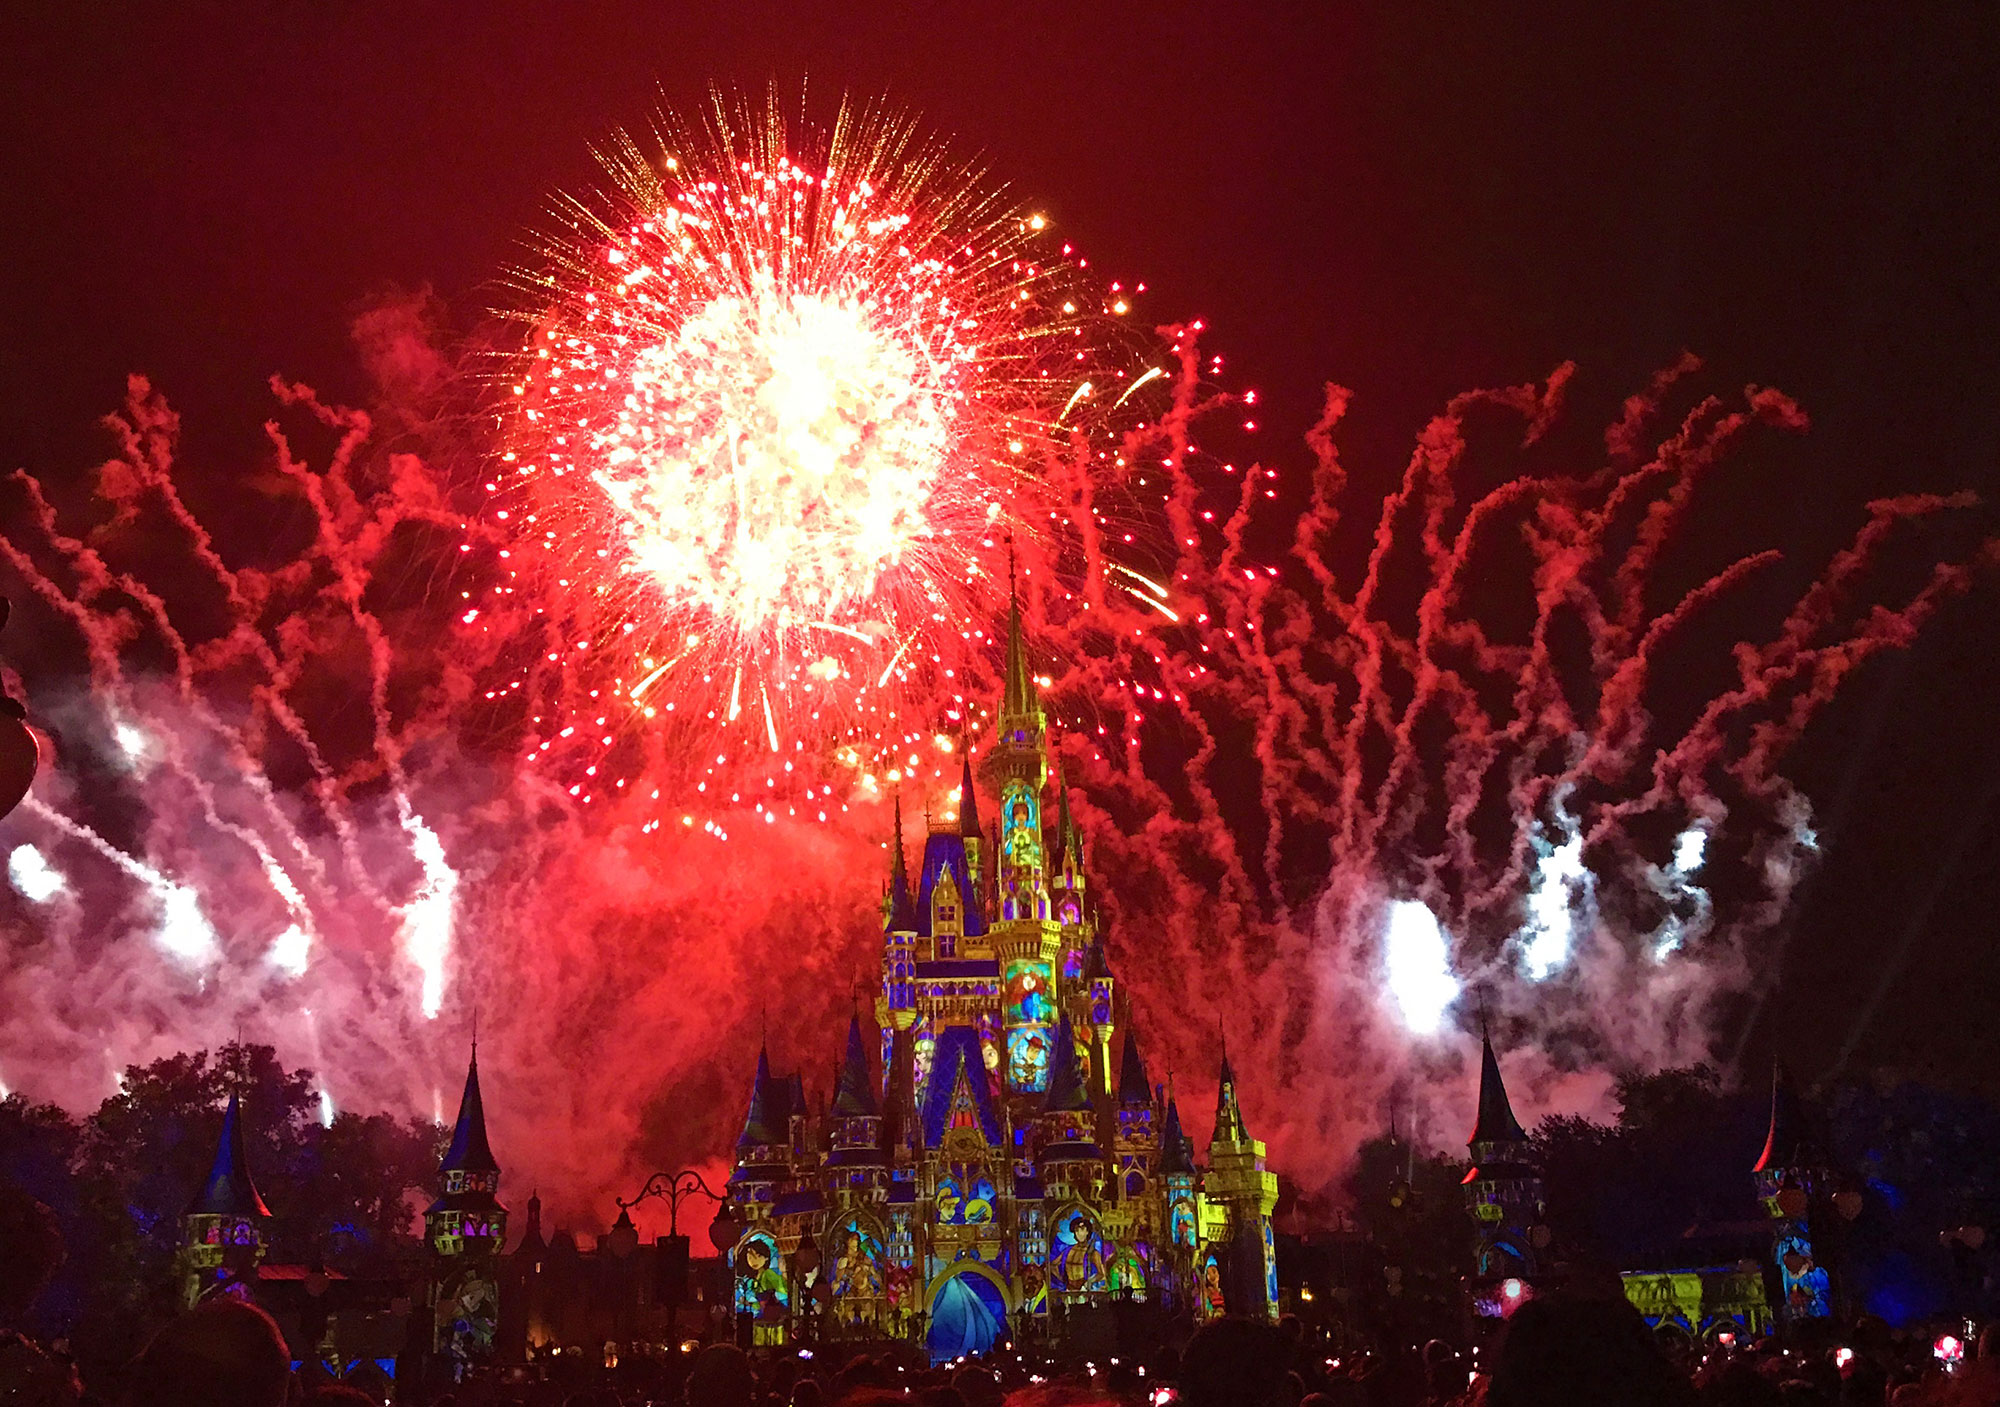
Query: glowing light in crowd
[[34, 876], [326, 1108], [1417, 966]]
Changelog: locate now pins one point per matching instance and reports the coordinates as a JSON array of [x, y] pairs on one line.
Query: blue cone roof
[[902, 908], [1134, 1091], [469, 1151], [769, 1118], [968, 803], [1496, 1122], [945, 851], [854, 1094], [1066, 1091], [1176, 1148], [229, 1190]]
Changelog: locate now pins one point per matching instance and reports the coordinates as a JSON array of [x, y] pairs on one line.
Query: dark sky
[[1411, 199]]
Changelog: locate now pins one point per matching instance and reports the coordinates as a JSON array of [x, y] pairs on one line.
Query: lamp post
[[673, 1187], [670, 1267]]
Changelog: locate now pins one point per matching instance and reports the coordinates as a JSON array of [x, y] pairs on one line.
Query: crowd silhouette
[[1570, 1349]]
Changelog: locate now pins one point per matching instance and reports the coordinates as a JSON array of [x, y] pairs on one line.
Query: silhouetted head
[[1233, 1363], [1558, 1351], [721, 1377], [224, 1353]]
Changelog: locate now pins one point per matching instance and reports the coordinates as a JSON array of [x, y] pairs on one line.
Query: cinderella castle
[[980, 1176]]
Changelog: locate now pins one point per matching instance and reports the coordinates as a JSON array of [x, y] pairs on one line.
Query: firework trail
[[418, 755], [1499, 812], [211, 727]]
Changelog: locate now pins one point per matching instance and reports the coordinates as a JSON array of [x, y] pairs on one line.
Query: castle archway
[[968, 1311]]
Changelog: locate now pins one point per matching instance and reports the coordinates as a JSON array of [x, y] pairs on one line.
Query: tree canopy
[[344, 1192]]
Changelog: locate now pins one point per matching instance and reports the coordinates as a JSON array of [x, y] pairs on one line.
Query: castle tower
[[1135, 1146], [1067, 1156], [764, 1162], [1069, 885], [1096, 1009], [466, 1228], [1070, 880], [896, 1008], [968, 826], [1245, 1192], [524, 1318], [763, 1149], [1019, 769], [1177, 1180], [1137, 1139], [1026, 938], [1789, 1178], [855, 1165], [222, 1231], [1503, 1190]]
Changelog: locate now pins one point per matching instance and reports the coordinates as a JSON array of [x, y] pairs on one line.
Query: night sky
[[1410, 205]]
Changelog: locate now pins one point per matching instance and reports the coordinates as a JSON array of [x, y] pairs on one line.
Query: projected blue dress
[[962, 1323]]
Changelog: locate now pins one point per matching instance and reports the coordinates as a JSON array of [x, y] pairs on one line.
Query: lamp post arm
[[673, 1187]]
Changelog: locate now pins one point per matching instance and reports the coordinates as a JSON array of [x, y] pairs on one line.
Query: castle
[[993, 1182]]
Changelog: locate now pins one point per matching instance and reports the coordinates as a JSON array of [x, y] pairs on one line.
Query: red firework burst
[[787, 390]]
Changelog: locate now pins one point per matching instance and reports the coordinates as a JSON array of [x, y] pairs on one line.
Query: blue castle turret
[[466, 1228], [222, 1231]]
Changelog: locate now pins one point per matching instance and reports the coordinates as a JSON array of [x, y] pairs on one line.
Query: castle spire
[[1496, 1123], [968, 800], [469, 1151], [757, 1122], [1066, 1092], [1228, 1117], [854, 1094], [1784, 1145], [229, 1190], [1069, 839], [1134, 1090], [1176, 1148], [1020, 698], [902, 907]]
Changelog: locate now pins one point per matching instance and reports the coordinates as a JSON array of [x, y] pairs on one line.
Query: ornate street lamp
[[674, 1187], [670, 1269]]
